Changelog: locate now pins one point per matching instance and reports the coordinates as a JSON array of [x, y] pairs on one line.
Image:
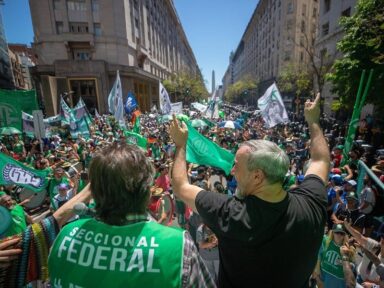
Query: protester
[[258, 228], [120, 247], [329, 268], [366, 269], [20, 219]]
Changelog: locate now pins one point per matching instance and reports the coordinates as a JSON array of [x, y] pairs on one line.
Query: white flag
[[177, 108], [165, 103], [115, 101], [272, 107], [199, 107], [115, 94]]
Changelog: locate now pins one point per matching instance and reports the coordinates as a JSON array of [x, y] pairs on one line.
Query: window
[[314, 13], [56, 4], [303, 26], [97, 29], [59, 27], [325, 29], [287, 56], [81, 54], [327, 6], [290, 8], [77, 5], [346, 12], [95, 5], [301, 56], [304, 10], [78, 27]]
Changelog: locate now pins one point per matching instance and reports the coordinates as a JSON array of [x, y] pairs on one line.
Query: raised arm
[[180, 185], [320, 158]]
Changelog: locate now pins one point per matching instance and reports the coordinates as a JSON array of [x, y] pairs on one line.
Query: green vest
[[331, 262], [18, 224], [89, 253]]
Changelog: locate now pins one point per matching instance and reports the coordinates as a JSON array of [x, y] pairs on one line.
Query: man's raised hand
[[312, 110], [179, 133]]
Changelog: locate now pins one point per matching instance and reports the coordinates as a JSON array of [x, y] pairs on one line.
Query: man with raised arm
[[267, 236]]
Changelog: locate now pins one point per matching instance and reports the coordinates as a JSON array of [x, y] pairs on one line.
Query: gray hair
[[269, 158]]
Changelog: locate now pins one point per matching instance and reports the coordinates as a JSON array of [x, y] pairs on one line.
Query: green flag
[[13, 172], [137, 139], [359, 102], [136, 127], [12, 102], [201, 150]]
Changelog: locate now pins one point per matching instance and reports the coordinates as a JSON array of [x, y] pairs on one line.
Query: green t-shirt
[[89, 253], [330, 259], [18, 224]]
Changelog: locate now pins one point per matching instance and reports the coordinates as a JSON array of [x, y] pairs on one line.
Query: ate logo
[[14, 174], [200, 147], [8, 115]]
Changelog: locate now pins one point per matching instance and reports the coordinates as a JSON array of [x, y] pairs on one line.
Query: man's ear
[[258, 176]]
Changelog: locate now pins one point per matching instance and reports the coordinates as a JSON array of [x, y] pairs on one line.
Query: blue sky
[[213, 29]]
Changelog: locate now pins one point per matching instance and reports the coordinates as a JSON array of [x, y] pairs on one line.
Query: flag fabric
[[136, 127], [115, 94], [13, 172], [69, 116], [81, 110], [135, 114], [165, 103], [12, 102], [130, 103], [177, 108], [28, 125], [272, 107], [65, 112], [212, 110], [201, 150], [136, 139], [50, 124], [199, 107]]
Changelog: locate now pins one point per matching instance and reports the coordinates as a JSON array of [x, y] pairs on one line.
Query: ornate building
[[80, 44]]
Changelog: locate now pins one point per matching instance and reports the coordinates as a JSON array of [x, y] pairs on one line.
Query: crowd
[[288, 215]]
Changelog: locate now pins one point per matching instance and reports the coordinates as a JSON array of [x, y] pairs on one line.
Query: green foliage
[[239, 91], [363, 48], [185, 87], [295, 79]]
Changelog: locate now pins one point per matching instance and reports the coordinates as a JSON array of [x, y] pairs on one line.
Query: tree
[[186, 87], [295, 80], [239, 92], [363, 48]]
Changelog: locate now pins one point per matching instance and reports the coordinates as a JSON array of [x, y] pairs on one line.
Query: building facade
[[6, 80], [80, 44], [22, 59], [329, 34], [276, 36]]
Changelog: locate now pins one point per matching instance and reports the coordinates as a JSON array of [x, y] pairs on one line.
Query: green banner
[[201, 150], [13, 172], [12, 102], [136, 139], [136, 127]]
